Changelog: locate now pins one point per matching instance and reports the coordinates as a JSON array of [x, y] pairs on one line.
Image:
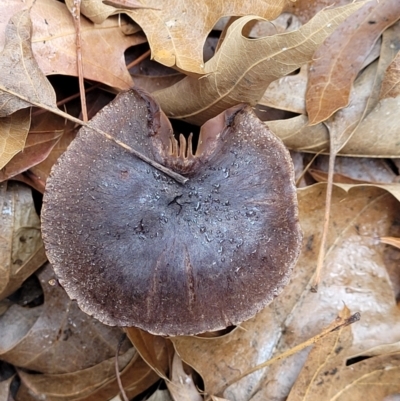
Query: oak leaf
[[243, 68], [177, 30]]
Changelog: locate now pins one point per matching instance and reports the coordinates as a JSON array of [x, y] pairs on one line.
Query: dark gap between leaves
[[356, 359], [30, 294]]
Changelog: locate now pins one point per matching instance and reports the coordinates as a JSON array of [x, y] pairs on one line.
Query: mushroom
[[136, 248]]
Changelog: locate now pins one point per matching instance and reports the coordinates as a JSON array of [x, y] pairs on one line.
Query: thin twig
[[332, 327], [325, 229], [121, 388], [139, 59], [76, 15], [177, 177]]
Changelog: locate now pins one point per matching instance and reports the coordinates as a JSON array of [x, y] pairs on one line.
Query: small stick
[[332, 327], [76, 15], [177, 177], [139, 59]]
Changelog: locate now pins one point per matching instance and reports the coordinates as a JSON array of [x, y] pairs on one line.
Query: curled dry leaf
[[336, 63], [21, 247], [355, 274], [155, 350], [242, 68], [176, 31], [226, 213], [61, 332]]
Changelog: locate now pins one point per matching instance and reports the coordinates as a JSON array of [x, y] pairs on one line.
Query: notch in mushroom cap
[[136, 248]]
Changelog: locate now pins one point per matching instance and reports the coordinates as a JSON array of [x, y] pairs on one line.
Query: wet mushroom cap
[[136, 248]]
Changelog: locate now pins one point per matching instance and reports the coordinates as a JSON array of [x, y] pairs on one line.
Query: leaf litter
[[360, 263]]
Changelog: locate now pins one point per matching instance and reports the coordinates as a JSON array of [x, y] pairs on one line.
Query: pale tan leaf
[[326, 357], [177, 30], [23, 73], [337, 63], [378, 132], [368, 380], [5, 393], [181, 385], [13, 133], [21, 247], [288, 93], [359, 170], [391, 82], [160, 395], [242, 68]]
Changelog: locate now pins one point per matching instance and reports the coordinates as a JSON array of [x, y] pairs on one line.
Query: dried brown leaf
[[21, 247], [23, 73], [181, 385], [53, 44], [360, 170], [45, 132], [71, 386], [371, 379], [155, 350], [288, 93], [355, 274], [177, 31], [375, 135], [306, 9], [5, 393], [337, 63], [391, 83], [61, 332], [326, 358], [14, 131], [242, 68]]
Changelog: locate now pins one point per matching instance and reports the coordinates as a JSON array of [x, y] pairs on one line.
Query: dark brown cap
[[136, 248]]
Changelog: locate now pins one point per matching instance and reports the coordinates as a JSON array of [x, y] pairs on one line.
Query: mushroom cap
[[136, 248]]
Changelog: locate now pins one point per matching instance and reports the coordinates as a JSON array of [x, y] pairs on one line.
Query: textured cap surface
[[135, 248]]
